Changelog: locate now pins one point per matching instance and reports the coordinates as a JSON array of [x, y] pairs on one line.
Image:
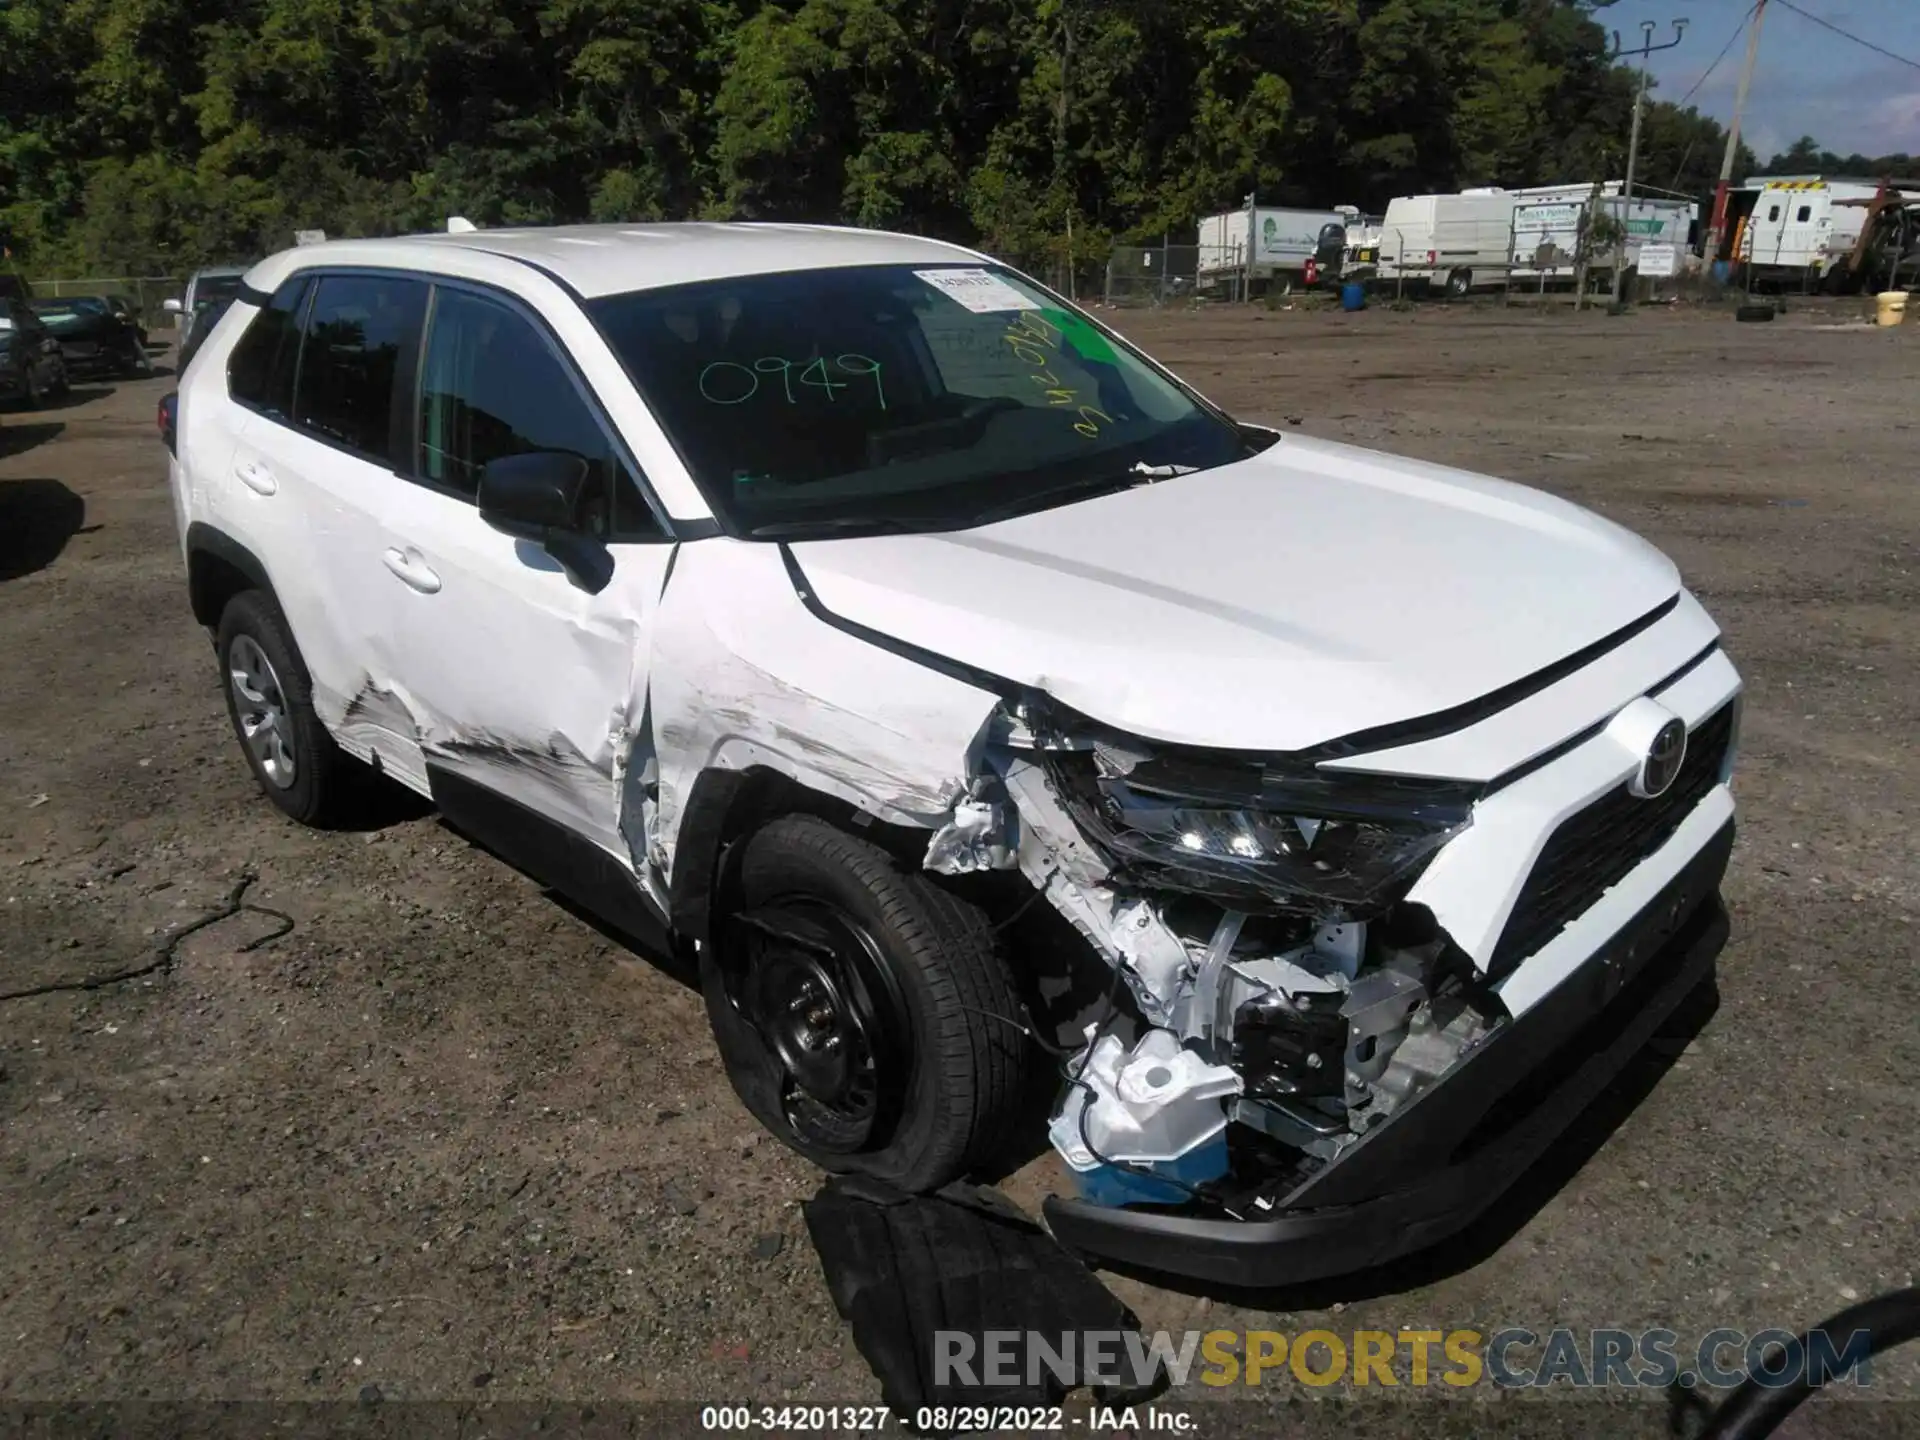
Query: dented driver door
[[522, 678]]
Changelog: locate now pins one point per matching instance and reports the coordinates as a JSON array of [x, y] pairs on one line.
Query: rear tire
[[1749, 314], [270, 703], [866, 1016], [1459, 284]]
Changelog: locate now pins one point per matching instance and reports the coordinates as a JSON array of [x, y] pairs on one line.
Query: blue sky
[[1809, 81]]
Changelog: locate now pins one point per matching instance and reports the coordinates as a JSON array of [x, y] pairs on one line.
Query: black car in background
[[95, 338], [32, 366]]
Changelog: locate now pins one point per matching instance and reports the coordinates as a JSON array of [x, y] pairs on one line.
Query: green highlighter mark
[[1081, 338]]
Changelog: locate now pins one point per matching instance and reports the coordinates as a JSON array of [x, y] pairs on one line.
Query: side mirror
[[537, 497], [173, 306], [529, 495]]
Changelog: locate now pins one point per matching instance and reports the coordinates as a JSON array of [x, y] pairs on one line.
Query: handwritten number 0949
[[726, 382]]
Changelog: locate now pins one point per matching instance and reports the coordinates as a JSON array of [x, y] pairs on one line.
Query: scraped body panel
[[745, 675]]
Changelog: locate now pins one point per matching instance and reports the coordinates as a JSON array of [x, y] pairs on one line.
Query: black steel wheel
[[865, 1016]]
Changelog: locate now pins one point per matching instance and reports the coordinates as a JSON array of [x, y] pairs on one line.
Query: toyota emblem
[[1662, 765]]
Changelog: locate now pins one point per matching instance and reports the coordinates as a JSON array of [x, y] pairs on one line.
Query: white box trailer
[[1800, 231], [1282, 242], [1546, 232], [1456, 242]]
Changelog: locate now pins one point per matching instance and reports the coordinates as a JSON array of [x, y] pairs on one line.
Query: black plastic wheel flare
[[815, 989]]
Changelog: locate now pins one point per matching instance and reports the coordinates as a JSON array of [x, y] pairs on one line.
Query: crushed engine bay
[[1253, 913]]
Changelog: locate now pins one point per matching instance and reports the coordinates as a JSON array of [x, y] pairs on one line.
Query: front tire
[[270, 703], [865, 1016]]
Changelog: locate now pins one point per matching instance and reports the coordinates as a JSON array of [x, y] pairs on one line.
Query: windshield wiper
[[1138, 474], [834, 524], [1160, 472]]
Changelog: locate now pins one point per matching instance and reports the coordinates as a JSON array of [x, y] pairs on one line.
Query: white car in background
[[851, 615]]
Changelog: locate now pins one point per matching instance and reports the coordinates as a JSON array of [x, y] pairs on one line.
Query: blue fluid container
[[1353, 296], [1110, 1185]]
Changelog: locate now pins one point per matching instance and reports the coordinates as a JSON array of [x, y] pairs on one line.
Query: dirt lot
[[445, 1140]]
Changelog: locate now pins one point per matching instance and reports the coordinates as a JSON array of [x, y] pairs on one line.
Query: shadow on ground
[[17, 437], [37, 518]]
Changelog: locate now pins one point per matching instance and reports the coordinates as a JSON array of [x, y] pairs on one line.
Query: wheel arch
[[724, 806], [219, 567]]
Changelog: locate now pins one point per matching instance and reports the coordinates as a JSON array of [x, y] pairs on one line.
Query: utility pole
[[1246, 272], [1647, 47], [1719, 221]]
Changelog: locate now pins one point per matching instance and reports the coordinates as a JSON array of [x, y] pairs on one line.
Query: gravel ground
[[443, 1140]]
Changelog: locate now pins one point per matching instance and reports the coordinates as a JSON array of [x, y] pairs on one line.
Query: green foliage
[[144, 135]]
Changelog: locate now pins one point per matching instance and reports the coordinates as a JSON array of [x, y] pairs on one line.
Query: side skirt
[[551, 854]]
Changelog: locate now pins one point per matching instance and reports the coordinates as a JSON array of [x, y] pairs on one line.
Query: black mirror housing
[[532, 494]]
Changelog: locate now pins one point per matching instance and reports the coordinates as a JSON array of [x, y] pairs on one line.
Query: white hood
[[1307, 593]]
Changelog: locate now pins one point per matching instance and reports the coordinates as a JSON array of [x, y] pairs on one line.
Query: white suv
[[852, 615]]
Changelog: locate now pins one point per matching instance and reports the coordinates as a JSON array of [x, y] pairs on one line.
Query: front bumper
[[1444, 1160]]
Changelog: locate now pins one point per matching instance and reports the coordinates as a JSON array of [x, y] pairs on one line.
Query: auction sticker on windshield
[[981, 291]]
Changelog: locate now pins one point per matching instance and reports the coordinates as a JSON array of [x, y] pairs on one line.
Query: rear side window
[[261, 370], [360, 331], [492, 386]]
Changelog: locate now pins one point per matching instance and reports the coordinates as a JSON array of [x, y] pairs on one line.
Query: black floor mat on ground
[[903, 1267]]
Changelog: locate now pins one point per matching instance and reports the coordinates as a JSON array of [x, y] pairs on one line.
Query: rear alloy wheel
[[865, 1016], [270, 702]]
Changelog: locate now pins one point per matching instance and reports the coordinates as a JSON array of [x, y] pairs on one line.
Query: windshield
[[211, 289], [899, 397], [57, 313]]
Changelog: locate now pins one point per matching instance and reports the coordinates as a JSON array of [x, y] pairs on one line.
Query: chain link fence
[[1152, 274], [144, 292]]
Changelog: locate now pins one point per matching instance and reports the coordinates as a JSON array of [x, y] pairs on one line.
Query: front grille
[[1594, 850]]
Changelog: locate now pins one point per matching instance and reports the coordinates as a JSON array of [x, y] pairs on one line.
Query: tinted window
[[1804, 214], [899, 396], [1773, 212], [358, 328], [262, 368], [492, 386]]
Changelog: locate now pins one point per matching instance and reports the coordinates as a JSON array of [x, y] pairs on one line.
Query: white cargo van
[[1455, 241], [1802, 230]]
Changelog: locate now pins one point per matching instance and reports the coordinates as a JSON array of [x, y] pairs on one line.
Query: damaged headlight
[[1272, 833]]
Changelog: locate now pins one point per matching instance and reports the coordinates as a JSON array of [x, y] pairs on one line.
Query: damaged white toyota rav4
[[853, 616]]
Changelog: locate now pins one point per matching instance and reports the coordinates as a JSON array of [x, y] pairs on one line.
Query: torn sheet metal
[[744, 675], [1058, 861]]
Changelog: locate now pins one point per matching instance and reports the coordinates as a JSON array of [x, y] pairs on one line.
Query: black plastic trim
[[1552, 753], [550, 853], [1445, 1169], [1459, 717], [952, 669], [204, 539], [705, 822]]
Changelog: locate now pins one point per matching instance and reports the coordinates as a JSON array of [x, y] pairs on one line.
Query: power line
[[1738, 30], [1849, 35]]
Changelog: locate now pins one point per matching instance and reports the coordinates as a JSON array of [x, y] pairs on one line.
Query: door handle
[[256, 477], [413, 571]]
